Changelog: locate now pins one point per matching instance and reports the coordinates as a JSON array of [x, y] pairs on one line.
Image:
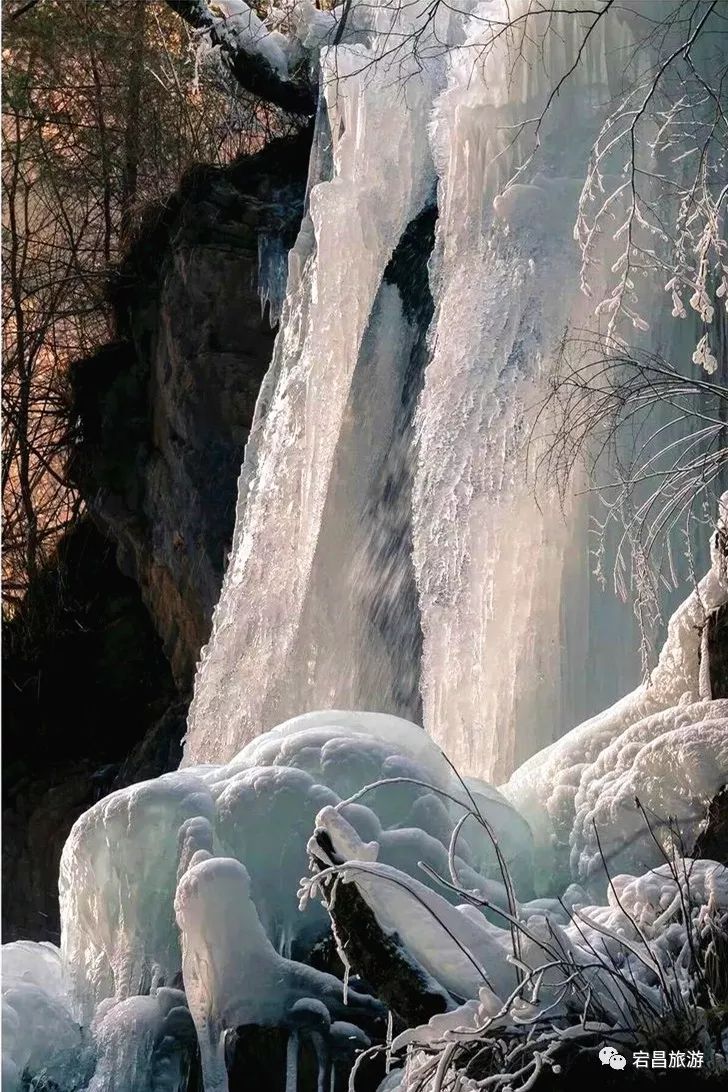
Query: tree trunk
[[380, 958], [132, 132]]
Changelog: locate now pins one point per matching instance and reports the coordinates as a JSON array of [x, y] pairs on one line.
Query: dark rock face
[[712, 842], [164, 412], [716, 644], [99, 665], [85, 680]]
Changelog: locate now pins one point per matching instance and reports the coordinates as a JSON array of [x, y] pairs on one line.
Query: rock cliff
[[98, 668], [164, 411]]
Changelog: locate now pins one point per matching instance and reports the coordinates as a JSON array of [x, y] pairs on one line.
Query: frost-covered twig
[[654, 442]]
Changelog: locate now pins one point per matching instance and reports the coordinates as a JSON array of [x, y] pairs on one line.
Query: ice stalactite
[[272, 275], [121, 944], [143, 1044], [292, 1062]]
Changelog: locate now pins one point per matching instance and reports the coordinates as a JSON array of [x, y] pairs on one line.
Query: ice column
[[503, 576], [263, 659]]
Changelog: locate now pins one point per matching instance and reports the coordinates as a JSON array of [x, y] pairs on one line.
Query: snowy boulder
[[40, 1036], [545, 788], [673, 763], [463, 953]]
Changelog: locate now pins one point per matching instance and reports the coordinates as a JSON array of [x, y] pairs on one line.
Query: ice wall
[[500, 646], [294, 614], [503, 574]]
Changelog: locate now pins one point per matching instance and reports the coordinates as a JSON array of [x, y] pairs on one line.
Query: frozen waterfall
[[397, 561], [349, 495], [297, 624]]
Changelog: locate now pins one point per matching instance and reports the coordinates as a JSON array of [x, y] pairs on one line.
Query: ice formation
[[143, 1043], [501, 571], [289, 481], [581, 973], [474, 959], [191, 880], [197, 872], [39, 1032], [194, 877], [343, 504], [244, 27], [234, 977]]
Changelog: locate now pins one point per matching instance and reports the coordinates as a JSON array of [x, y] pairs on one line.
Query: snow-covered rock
[[40, 1035], [125, 856], [559, 789]]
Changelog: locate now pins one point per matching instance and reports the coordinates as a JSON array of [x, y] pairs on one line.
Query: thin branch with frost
[[655, 443], [655, 184]]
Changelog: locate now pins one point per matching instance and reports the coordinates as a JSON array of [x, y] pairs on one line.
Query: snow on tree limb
[[253, 55]]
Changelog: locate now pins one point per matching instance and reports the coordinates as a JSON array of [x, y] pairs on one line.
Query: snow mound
[[666, 767], [556, 790], [124, 857], [632, 954], [40, 1037]]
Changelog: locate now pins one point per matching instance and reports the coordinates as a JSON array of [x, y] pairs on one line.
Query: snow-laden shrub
[[545, 988]]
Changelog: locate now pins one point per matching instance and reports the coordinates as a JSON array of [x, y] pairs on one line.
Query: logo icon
[[608, 1055]]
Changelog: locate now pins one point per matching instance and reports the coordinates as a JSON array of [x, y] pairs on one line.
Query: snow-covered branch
[[257, 57], [655, 184]]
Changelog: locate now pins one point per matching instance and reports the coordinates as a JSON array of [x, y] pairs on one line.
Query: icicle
[[292, 1061], [272, 275], [388, 1042], [323, 1061]]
